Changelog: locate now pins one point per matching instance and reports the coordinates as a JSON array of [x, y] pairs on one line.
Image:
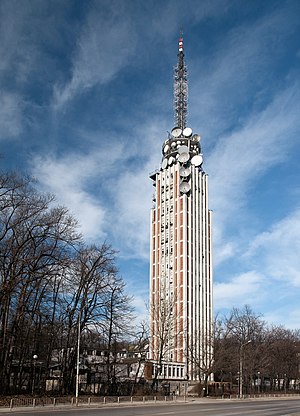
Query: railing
[[52, 402], [255, 395], [82, 401]]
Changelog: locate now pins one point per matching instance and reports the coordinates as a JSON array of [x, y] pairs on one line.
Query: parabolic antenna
[[182, 149], [196, 137], [176, 132], [183, 157], [187, 132], [166, 148], [164, 163], [184, 172], [171, 160], [184, 187], [173, 144], [197, 160]]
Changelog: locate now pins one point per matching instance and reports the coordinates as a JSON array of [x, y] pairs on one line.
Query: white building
[[181, 311]]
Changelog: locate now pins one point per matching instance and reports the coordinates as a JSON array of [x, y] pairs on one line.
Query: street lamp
[[78, 357], [285, 383], [78, 350], [241, 368], [33, 378], [258, 381]]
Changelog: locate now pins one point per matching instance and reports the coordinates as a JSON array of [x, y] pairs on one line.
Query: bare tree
[[200, 356], [35, 240], [240, 328], [139, 344], [117, 317], [52, 287], [280, 357], [85, 291], [162, 333]]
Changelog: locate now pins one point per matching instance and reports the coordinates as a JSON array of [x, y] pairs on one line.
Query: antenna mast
[[180, 88]]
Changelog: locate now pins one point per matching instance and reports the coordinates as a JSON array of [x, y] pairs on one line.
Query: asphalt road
[[270, 407]]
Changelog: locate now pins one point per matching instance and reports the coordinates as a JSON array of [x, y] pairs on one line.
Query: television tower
[[181, 311]]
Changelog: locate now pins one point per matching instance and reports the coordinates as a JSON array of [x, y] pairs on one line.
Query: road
[[270, 407]]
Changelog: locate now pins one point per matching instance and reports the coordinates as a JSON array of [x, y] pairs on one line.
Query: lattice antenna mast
[[180, 88]]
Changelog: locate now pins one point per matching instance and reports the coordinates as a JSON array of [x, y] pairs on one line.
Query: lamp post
[[78, 350], [241, 368], [33, 378], [285, 383], [78, 357], [258, 381]]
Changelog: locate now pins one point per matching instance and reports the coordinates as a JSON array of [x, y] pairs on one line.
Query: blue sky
[[86, 100]]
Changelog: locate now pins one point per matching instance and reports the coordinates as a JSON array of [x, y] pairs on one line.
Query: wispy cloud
[[287, 314], [132, 190], [108, 189], [15, 50], [239, 76], [104, 46], [71, 178], [239, 158], [273, 278], [277, 250], [11, 117], [133, 199], [240, 290]]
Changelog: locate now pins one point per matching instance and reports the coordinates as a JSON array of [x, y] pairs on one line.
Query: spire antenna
[[180, 87]]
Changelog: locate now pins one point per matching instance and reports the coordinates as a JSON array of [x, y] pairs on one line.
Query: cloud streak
[[74, 179], [104, 47], [239, 76], [11, 115], [278, 250], [241, 157], [240, 290]]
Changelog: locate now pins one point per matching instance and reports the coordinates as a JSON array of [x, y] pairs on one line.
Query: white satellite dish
[[166, 148], [196, 137], [173, 144], [183, 157], [184, 172], [184, 187], [164, 163], [197, 160], [171, 160], [182, 149], [187, 132], [176, 131]]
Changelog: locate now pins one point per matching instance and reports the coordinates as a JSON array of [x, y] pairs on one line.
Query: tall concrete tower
[[181, 312]]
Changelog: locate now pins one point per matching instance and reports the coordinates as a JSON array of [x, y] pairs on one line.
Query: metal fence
[[18, 402], [68, 401]]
